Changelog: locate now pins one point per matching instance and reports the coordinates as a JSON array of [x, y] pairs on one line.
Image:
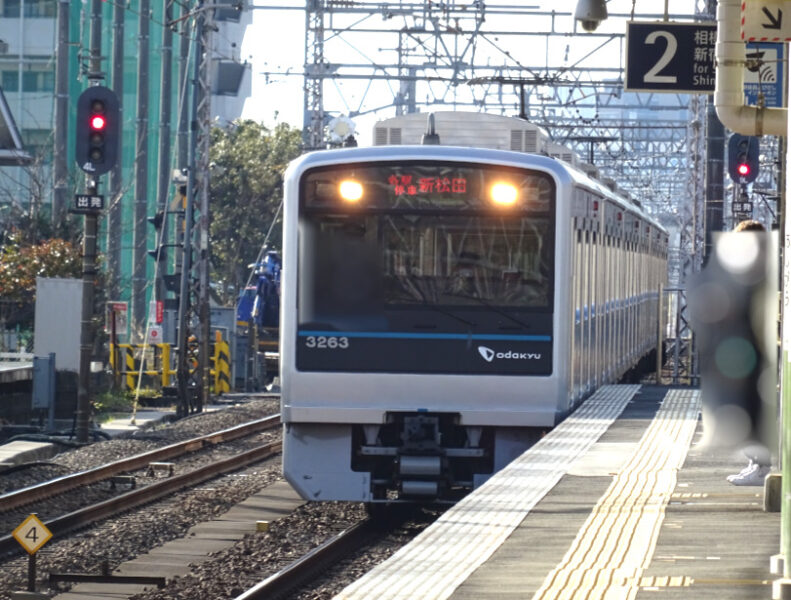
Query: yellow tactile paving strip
[[436, 562], [616, 543]]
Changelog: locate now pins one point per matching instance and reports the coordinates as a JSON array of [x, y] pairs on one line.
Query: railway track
[[47, 489], [143, 495], [361, 539], [302, 571]]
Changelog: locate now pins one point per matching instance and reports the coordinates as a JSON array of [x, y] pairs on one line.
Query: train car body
[[442, 306]]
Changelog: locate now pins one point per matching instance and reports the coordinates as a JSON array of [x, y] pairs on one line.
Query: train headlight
[[504, 194], [351, 190]]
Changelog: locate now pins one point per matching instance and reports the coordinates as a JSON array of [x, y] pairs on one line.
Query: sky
[[275, 43]]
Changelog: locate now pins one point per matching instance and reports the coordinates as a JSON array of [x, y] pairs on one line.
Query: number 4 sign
[[32, 534]]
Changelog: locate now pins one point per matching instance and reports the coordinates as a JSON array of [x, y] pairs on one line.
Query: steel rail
[[302, 571], [59, 485], [90, 514]]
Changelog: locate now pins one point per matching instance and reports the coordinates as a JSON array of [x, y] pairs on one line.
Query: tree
[[26, 196], [247, 161], [21, 263]]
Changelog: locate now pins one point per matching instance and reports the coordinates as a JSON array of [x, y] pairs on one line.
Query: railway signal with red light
[[743, 153], [98, 122], [98, 130]]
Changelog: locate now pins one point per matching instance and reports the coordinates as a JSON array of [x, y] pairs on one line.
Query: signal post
[[97, 138]]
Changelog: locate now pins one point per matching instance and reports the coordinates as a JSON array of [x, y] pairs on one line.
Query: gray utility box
[[58, 320]]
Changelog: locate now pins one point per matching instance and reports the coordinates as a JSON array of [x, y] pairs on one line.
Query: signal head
[[98, 130], [743, 158]]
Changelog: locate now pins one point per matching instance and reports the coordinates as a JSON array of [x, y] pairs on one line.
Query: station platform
[[620, 501], [11, 372]]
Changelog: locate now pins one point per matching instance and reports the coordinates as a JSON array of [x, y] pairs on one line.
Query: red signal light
[[743, 169], [98, 122]]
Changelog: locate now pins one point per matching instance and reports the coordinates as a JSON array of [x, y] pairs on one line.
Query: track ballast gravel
[[227, 573]]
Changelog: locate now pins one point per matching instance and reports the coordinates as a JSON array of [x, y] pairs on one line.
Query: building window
[[10, 81], [37, 141], [33, 8], [38, 81], [48, 81], [29, 81], [11, 8]]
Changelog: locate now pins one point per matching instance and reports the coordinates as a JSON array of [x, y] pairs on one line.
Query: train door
[[577, 286]]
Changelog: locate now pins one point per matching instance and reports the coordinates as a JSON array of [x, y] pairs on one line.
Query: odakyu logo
[[489, 355]]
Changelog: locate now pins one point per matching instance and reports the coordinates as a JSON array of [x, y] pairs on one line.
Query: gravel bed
[[143, 440], [253, 558], [123, 538], [260, 555], [101, 452], [126, 537], [77, 498], [30, 474], [362, 561], [133, 535]]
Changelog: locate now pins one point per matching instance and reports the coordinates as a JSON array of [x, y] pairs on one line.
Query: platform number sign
[[670, 57], [32, 534]]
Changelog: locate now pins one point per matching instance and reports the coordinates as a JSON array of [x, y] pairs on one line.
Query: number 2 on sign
[[653, 76]]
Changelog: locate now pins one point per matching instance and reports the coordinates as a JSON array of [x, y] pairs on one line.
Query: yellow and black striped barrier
[[125, 360], [221, 365]]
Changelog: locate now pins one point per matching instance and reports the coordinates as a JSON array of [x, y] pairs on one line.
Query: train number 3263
[[330, 342]]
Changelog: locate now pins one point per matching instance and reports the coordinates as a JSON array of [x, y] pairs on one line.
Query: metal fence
[[16, 340]]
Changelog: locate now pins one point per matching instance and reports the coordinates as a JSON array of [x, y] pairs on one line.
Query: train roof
[[465, 128], [562, 171]]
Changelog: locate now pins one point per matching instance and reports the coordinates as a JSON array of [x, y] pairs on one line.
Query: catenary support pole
[[114, 210], [163, 168], [83, 415], [140, 255], [61, 113]]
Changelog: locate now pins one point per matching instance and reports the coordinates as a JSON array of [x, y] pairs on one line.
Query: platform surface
[[13, 371], [642, 510]]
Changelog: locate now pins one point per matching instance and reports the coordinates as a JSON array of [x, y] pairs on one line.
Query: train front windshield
[[425, 267]]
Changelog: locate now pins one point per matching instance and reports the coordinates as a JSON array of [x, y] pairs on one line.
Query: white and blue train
[[443, 305]]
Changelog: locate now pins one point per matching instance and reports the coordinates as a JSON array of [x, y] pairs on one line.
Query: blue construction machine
[[257, 324]]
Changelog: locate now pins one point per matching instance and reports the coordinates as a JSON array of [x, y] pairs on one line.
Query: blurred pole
[[785, 390]]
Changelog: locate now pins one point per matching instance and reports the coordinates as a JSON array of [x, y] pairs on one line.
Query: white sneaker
[[755, 476], [750, 466]]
